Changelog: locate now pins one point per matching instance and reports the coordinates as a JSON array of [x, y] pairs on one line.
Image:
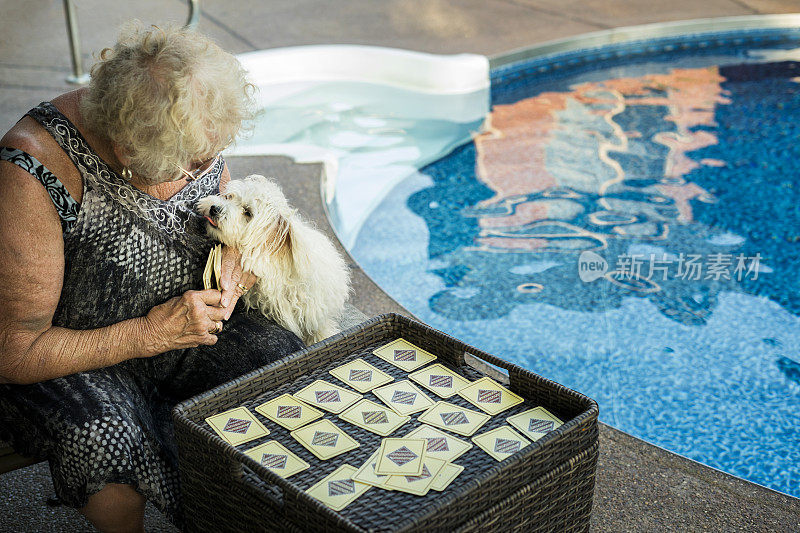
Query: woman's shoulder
[[32, 138]]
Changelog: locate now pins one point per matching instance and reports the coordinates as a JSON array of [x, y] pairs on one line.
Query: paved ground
[[639, 487]]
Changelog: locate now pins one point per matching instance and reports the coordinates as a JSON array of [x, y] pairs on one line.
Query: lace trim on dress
[[172, 216]]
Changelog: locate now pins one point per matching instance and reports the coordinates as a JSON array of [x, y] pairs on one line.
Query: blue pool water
[[628, 224]]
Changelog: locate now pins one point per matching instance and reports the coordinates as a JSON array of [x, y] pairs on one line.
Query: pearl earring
[[126, 173]]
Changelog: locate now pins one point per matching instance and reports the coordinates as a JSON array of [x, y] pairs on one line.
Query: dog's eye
[[247, 213]]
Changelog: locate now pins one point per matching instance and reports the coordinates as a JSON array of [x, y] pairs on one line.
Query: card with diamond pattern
[[404, 355], [361, 375], [366, 474], [489, 396], [440, 380], [404, 397], [338, 489], [420, 484], [274, 456], [324, 439], [327, 396], [501, 443], [451, 417], [401, 456], [237, 426], [440, 444], [374, 417], [446, 476], [288, 412], [535, 423]]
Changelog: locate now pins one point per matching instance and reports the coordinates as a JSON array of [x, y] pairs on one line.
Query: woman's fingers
[[231, 273]]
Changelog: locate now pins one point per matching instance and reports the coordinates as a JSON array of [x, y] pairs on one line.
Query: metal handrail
[[78, 76]]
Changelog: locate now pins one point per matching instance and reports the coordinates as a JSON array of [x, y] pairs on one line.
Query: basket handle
[[252, 482], [497, 373]]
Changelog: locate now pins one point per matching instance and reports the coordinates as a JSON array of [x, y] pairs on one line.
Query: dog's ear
[[279, 238]]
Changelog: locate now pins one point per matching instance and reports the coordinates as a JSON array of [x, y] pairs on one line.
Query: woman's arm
[[31, 275]]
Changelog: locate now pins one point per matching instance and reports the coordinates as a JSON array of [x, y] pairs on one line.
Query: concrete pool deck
[[639, 487]]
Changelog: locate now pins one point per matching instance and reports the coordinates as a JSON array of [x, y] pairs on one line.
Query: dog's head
[[252, 215]]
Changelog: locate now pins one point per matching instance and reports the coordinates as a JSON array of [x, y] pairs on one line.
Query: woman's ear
[[121, 155]]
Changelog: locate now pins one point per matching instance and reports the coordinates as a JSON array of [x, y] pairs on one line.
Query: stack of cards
[[213, 270], [404, 465]]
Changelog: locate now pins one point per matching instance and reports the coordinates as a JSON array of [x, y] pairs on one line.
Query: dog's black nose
[[214, 211]]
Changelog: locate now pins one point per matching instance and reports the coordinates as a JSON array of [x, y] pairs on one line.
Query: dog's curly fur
[[303, 281]]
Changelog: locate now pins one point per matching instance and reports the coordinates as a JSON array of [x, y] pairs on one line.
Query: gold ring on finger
[[217, 328], [243, 288]]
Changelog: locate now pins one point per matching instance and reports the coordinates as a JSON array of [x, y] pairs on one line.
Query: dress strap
[[66, 206]]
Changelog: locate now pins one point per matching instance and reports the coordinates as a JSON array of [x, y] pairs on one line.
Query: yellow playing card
[[237, 426], [454, 418], [490, 396], [501, 443], [277, 458], [403, 397], [441, 445], [327, 396], [373, 417], [404, 355], [338, 489], [324, 439], [420, 484], [218, 265], [208, 273], [440, 380], [401, 456], [361, 375], [366, 474], [288, 411], [446, 476], [535, 423]]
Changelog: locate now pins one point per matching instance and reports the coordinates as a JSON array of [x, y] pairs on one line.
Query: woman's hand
[[233, 279], [185, 321]]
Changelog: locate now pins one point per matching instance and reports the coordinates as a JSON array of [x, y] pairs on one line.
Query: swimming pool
[[627, 222]]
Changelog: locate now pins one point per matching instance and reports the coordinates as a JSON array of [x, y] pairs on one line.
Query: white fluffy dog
[[303, 281]]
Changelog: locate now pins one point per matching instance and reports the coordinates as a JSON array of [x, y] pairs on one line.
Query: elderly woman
[[103, 329]]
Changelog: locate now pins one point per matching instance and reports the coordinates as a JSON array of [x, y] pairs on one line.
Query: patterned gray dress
[[125, 252]]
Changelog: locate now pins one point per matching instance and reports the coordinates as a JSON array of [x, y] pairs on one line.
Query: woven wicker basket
[[547, 486]]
